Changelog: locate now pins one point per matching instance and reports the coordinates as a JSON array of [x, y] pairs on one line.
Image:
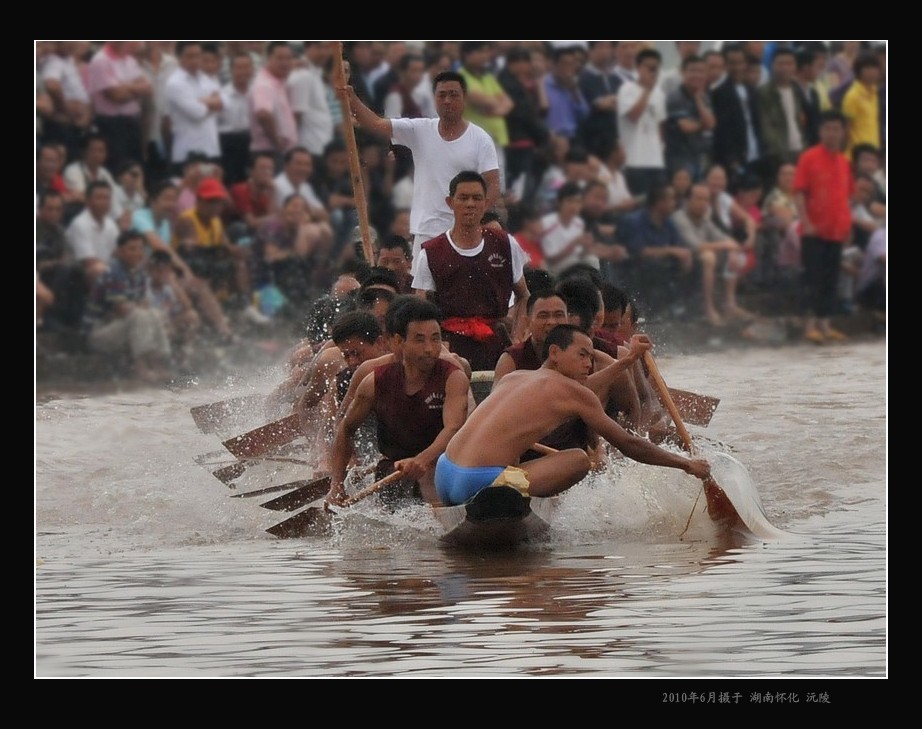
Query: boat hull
[[498, 517]]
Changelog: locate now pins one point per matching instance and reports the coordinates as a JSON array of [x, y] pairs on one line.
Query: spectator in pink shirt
[[273, 127], [117, 85]]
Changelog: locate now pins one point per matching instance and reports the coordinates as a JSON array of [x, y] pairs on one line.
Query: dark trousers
[[641, 179], [822, 261], [235, 156], [123, 139]]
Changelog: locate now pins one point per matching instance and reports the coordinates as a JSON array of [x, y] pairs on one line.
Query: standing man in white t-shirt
[[441, 147], [641, 113], [194, 101]]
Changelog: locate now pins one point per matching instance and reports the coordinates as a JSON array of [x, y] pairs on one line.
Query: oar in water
[[300, 486], [210, 417], [719, 505], [317, 518], [304, 493], [695, 409], [227, 474], [266, 438]]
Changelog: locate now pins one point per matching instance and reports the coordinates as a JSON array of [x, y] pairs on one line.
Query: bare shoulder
[[369, 364]]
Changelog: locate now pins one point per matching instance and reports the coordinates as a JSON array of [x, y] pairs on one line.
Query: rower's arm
[[491, 177], [600, 382], [518, 314], [360, 373], [504, 365], [343, 447], [318, 379], [632, 446]]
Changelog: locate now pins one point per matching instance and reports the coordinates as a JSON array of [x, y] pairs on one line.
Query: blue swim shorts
[[456, 484]]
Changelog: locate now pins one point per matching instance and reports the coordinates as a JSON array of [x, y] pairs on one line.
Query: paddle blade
[[266, 438], [695, 409], [314, 521], [209, 418], [307, 492], [226, 474], [271, 489]]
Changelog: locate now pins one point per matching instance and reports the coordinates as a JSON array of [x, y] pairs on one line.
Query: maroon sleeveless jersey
[[407, 424], [524, 355], [468, 286]]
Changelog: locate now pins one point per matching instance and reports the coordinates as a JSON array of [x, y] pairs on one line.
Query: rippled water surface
[[146, 567]]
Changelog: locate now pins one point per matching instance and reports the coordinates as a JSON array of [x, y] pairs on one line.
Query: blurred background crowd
[[212, 178]]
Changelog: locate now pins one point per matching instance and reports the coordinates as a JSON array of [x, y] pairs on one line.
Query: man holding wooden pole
[[441, 147]]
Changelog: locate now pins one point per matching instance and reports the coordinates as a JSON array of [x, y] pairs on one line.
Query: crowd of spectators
[[229, 159]]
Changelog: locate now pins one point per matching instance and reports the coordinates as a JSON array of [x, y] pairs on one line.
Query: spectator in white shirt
[[193, 103], [92, 234], [234, 119]]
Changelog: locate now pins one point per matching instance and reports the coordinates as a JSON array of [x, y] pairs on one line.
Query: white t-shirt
[[436, 162], [90, 239], [309, 103], [284, 188], [643, 142], [195, 127], [423, 278], [556, 236]]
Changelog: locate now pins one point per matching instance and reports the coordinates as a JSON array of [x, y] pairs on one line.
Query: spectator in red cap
[[203, 243]]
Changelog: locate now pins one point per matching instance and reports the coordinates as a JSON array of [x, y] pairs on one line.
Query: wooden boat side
[[497, 517]]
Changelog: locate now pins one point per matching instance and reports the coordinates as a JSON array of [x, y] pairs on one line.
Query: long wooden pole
[[355, 167]]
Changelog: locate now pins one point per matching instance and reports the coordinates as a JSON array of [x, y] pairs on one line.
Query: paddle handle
[[355, 167], [374, 488], [663, 391]]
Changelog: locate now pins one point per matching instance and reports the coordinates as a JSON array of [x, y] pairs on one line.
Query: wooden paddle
[[355, 166], [305, 492], [317, 518], [719, 506], [265, 438], [695, 409], [291, 486], [227, 474], [210, 417]]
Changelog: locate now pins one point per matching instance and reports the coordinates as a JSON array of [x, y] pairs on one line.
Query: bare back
[[524, 407]]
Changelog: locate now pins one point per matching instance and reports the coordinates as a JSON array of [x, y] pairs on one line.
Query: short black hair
[[272, 45], [159, 187], [126, 236], [367, 298], [289, 155], [582, 299], [656, 194], [865, 59], [450, 76], [359, 323], [466, 47], [379, 276], [547, 292], [406, 309], [396, 241], [569, 189], [182, 45], [784, 51], [646, 53], [161, 258], [805, 58], [562, 335], [96, 185], [614, 298], [832, 115], [465, 176]]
